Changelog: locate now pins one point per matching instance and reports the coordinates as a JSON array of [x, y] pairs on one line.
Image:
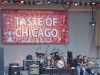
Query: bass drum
[[41, 61], [60, 64]]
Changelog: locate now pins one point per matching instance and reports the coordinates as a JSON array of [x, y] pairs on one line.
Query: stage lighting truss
[[56, 2]]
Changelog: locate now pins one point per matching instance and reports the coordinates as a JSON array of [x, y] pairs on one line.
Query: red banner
[[22, 26]]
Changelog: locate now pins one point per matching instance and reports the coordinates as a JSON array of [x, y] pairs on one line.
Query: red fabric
[[10, 26]]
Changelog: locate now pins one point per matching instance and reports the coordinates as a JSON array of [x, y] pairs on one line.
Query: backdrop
[[81, 41]]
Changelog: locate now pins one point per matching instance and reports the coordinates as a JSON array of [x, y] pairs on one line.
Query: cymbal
[[52, 53], [62, 53], [39, 53]]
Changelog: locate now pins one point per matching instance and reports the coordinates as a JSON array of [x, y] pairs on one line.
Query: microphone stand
[[47, 49], [46, 57], [37, 55], [54, 49], [67, 48], [37, 49], [59, 51]]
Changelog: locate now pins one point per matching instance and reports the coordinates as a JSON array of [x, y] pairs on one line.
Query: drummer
[[52, 55], [57, 57], [51, 61]]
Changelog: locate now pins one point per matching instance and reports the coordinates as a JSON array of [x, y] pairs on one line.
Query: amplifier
[[26, 63], [14, 69], [34, 69]]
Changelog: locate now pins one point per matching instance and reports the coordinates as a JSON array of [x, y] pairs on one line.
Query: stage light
[[48, 1], [52, 2], [9, 1], [85, 3], [44, 2], [25, 2], [33, 2], [62, 2], [92, 23], [16, 1], [57, 2], [29, 2], [80, 3], [38, 2], [67, 3], [21, 2], [98, 4], [13, 1], [71, 3], [75, 3], [4, 1], [93, 3], [90, 3]]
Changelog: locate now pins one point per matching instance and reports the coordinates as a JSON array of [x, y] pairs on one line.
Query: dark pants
[[89, 71]]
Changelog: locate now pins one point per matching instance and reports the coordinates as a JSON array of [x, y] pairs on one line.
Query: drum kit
[[54, 60]]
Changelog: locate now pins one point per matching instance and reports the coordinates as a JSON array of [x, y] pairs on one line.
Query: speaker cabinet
[[1, 67], [69, 59], [34, 69], [14, 69], [26, 64], [1, 53], [69, 54]]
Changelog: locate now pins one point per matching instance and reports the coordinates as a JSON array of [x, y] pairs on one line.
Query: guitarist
[[80, 65], [85, 64]]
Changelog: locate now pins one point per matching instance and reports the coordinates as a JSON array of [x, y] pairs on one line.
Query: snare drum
[[60, 64]]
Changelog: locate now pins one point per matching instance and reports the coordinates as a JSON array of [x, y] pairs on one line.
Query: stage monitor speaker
[[69, 55], [2, 67], [34, 69], [14, 69], [26, 64], [1, 53]]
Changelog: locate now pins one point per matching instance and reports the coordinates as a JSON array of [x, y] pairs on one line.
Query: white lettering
[[16, 32], [48, 21], [28, 32], [17, 20], [54, 21], [47, 33], [54, 33], [33, 33], [40, 33], [34, 22], [23, 22], [24, 31], [40, 20], [29, 21]]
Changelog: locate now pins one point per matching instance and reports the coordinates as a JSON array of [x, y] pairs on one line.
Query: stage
[[51, 71], [59, 71]]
